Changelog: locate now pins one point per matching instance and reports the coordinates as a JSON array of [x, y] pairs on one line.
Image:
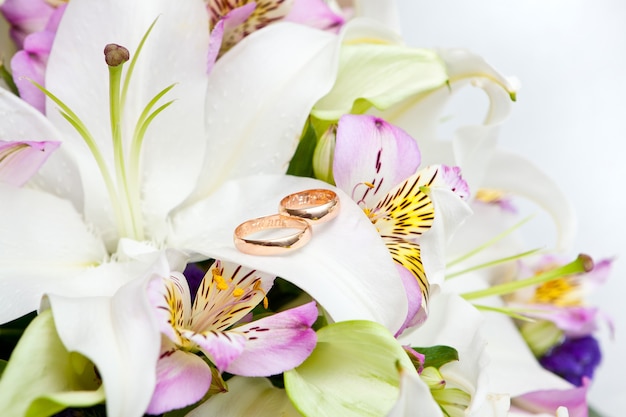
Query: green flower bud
[[324, 154]]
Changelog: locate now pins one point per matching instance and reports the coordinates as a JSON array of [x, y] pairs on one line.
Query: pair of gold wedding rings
[[296, 212]]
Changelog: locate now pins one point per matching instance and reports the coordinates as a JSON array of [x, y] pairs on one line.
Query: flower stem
[[583, 263]]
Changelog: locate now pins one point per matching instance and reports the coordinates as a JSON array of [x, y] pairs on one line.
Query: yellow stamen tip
[[238, 292]]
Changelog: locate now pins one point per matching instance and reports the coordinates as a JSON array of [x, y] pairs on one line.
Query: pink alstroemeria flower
[[376, 163], [20, 160], [232, 20], [562, 301], [33, 28], [226, 295], [549, 401]]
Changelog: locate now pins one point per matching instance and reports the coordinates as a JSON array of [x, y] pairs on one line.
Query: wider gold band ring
[[273, 245], [314, 206]]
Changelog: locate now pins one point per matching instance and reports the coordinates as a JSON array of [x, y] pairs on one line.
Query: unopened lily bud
[[115, 54], [541, 336], [324, 155], [433, 378]]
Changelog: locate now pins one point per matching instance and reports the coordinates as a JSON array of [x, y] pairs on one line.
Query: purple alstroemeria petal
[[21, 160], [215, 44], [276, 343], [371, 157], [26, 17], [30, 63], [182, 379], [548, 401], [574, 360], [314, 13], [414, 295], [221, 347], [451, 177], [574, 321], [231, 20]]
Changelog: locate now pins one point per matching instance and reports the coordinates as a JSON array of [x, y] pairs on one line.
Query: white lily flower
[[454, 322], [209, 161]]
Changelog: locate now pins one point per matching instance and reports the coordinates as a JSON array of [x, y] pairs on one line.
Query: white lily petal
[[511, 172], [345, 267], [271, 94], [510, 355], [175, 52], [247, 397], [450, 213], [414, 395], [59, 175], [34, 259], [120, 335]]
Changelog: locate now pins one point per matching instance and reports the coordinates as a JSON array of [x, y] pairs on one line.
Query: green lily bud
[[433, 378], [324, 154], [541, 336]]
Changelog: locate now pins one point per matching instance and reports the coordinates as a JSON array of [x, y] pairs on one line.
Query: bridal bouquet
[[236, 208]]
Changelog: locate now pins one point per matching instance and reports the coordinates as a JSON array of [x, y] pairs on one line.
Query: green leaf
[[43, 378], [437, 356], [380, 75], [3, 364], [8, 79], [301, 165], [352, 372]]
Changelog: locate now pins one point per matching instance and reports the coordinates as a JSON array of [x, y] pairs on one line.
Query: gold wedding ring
[[272, 245], [314, 206]]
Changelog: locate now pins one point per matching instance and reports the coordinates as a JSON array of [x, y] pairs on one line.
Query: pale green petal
[[42, 377], [379, 75], [353, 371], [248, 397]]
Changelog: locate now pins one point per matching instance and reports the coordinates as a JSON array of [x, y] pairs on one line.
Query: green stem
[[133, 224], [490, 242], [84, 133], [582, 263], [493, 263]]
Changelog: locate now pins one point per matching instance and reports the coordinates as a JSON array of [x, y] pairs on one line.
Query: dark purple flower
[[574, 359]]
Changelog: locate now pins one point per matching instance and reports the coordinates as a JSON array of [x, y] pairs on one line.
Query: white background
[[570, 118]]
